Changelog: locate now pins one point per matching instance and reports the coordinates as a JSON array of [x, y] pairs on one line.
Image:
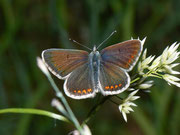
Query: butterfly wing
[[124, 54], [79, 84], [62, 62], [72, 65], [112, 79], [115, 61]]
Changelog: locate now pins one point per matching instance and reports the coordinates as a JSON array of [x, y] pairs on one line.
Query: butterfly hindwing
[[79, 84], [62, 62], [112, 79], [123, 54]]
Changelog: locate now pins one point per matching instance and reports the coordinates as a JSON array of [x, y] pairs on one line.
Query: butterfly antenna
[[80, 44], [107, 38]]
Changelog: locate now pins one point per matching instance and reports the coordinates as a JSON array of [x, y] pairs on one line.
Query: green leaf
[[34, 111]]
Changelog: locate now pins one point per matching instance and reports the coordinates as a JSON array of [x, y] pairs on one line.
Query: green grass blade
[[34, 111]]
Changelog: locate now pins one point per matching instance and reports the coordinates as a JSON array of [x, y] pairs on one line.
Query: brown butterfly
[[103, 71]]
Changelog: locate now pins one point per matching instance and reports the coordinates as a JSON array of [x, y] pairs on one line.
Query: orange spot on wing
[[107, 87], [79, 91], [120, 85], [112, 87], [129, 60], [89, 90], [84, 91], [116, 86], [132, 56], [74, 91]]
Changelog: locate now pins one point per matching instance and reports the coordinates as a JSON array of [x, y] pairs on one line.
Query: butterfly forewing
[[79, 84], [123, 54], [112, 79], [116, 60], [63, 61]]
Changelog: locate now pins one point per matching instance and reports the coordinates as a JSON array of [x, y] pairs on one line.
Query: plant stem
[[113, 102], [62, 98], [135, 80], [119, 97], [154, 75], [95, 109]]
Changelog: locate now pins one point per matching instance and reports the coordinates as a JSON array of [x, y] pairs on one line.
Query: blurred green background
[[27, 27]]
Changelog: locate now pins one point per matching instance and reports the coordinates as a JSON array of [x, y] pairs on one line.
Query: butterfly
[[103, 71]]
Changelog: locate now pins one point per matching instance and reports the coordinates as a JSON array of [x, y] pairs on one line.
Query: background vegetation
[[27, 27]]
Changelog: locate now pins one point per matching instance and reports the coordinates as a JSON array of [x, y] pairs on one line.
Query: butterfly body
[[94, 59], [103, 71]]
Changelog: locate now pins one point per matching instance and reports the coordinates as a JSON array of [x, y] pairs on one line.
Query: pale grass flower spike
[[172, 80], [162, 66], [125, 107], [85, 131], [42, 66], [146, 85]]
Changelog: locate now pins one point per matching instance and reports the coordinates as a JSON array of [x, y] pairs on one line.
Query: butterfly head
[[94, 54], [94, 49]]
